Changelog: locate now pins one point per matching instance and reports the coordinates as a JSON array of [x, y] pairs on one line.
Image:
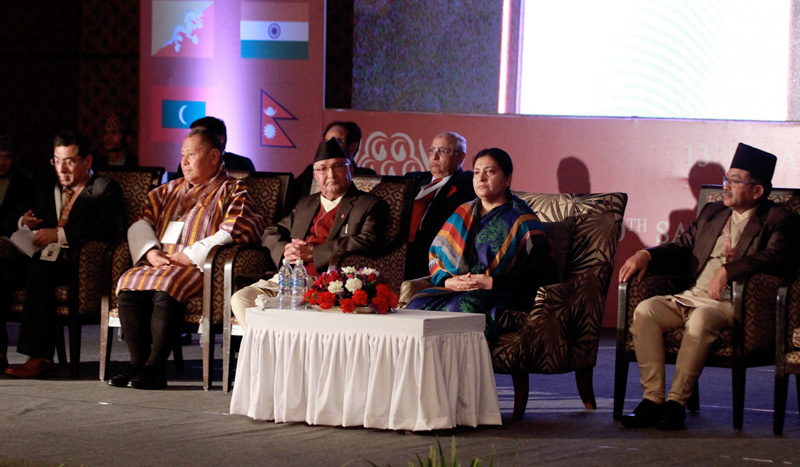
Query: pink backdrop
[[660, 164], [230, 86]]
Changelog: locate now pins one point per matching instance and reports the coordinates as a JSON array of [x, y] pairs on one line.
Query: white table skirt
[[411, 370]]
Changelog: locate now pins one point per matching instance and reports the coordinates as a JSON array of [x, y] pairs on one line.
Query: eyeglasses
[[726, 180], [68, 163], [332, 168], [443, 152]]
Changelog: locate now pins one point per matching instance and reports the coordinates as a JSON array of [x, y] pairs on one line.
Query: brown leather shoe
[[34, 368]]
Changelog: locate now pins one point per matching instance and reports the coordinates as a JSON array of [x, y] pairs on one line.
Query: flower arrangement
[[349, 288]]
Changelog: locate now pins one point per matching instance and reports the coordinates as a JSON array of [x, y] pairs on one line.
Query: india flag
[[274, 30]]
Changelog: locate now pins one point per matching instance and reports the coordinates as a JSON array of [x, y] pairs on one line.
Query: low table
[[408, 370]]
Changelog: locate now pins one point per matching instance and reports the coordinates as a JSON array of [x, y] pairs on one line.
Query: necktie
[[418, 211], [65, 206]]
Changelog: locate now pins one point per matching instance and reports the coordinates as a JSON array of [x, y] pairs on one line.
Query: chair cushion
[[560, 236]]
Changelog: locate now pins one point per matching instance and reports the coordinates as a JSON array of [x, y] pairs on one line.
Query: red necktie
[[420, 206]]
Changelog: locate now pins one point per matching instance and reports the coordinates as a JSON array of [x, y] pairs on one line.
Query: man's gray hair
[[461, 142]]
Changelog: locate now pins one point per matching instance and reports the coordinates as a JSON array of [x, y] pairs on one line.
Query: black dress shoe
[[122, 379], [673, 414], [148, 378], [644, 415]]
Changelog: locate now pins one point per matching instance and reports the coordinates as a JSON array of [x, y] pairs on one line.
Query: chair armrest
[[119, 262], [633, 292], [246, 264], [754, 305], [90, 276], [411, 287]]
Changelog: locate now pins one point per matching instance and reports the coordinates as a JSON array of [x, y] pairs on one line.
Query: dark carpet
[[85, 422]]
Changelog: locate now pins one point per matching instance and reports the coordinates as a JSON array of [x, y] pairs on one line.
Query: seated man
[[339, 219], [117, 139], [15, 188], [441, 190], [232, 161], [348, 134], [182, 222], [64, 214], [743, 234]]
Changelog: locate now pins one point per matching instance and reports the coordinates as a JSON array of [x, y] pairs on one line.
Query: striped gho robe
[[221, 211]]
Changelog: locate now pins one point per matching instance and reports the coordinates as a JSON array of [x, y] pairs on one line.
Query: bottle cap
[[287, 262], [299, 262]]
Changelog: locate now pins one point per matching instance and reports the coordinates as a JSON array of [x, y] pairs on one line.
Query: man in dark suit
[[63, 215], [15, 187], [731, 239], [323, 226], [441, 190], [233, 162]]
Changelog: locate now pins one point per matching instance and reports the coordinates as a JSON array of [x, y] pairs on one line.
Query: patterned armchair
[[750, 343], [252, 261], [787, 347], [203, 311], [88, 275], [561, 333]]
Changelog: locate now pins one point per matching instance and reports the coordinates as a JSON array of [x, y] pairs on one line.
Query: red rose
[[326, 300], [452, 191], [381, 304], [360, 297], [347, 304], [309, 297]]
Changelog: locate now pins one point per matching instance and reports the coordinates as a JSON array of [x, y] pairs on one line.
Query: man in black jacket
[[61, 216], [441, 190], [743, 234]]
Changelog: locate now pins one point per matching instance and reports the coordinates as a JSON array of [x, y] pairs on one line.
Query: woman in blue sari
[[492, 254]]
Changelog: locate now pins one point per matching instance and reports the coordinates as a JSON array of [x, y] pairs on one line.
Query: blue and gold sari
[[507, 243]]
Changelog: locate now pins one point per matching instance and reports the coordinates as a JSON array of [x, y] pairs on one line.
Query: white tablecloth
[[410, 370]]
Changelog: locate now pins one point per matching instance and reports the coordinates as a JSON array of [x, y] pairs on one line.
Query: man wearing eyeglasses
[[441, 190], [323, 226], [348, 134], [743, 234], [59, 218]]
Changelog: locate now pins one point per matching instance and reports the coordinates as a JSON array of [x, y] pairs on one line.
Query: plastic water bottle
[[285, 285], [299, 278]]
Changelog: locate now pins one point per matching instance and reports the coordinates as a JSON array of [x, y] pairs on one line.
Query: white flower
[[368, 271], [348, 270], [335, 287], [353, 284]]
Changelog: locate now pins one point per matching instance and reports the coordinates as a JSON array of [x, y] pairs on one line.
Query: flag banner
[[271, 133], [180, 114], [173, 108], [183, 29], [274, 31]]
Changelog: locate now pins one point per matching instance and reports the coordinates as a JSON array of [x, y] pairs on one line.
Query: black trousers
[[12, 277], [151, 323], [39, 324]]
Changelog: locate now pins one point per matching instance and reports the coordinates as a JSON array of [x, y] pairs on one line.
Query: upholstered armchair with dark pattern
[[204, 312], [561, 333], [787, 347], [253, 261], [750, 343]]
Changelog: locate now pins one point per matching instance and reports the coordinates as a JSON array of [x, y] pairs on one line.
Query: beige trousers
[[657, 315], [246, 298]]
